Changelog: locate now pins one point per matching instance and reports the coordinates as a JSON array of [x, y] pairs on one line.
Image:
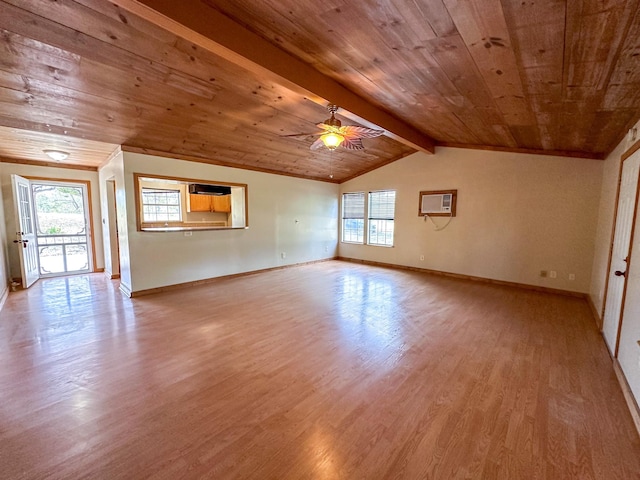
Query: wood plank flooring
[[324, 371]]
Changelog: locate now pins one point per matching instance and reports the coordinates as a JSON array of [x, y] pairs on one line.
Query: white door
[[620, 253], [25, 232]]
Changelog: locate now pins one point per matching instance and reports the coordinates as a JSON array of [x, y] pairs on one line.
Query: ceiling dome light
[[332, 140], [57, 155]]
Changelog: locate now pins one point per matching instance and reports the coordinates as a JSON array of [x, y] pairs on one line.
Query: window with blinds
[[382, 206], [353, 217], [377, 218]]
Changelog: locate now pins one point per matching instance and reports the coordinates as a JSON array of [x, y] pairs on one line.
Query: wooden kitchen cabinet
[[209, 203], [221, 203], [200, 203]]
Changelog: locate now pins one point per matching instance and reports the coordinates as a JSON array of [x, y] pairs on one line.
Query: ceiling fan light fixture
[[332, 140], [57, 155]]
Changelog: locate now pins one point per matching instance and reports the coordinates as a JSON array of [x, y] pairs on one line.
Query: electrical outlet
[[326, 248], [422, 258], [283, 255], [543, 273], [188, 234], [572, 276], [553, 274]]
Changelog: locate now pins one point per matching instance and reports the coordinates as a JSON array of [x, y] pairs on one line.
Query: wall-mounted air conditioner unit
[[438, 203]]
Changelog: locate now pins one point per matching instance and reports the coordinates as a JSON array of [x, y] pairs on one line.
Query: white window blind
[[382, 206], [353, 205], [353, 217]]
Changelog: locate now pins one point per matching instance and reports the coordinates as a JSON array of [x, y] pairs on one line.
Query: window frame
[[367, 220], [371, 219], [237, 219], [363, 218], [157, 222]]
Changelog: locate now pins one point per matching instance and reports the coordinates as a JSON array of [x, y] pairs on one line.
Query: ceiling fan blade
[[317, 144], [352, 144], [328, 128], [356, 131]]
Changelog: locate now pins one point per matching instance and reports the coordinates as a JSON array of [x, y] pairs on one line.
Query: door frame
[[87, 184], [625, 156], [112, 226]]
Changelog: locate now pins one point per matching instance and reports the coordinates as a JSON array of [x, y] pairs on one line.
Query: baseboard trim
[[628, 394], [535, 288], [111, 276], [205, 281], [98, 270], [126, 290], [594, 312]]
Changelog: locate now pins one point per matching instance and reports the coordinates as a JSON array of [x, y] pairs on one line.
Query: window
[[160, 205], [382, 207], [353, 217], [378, 222]]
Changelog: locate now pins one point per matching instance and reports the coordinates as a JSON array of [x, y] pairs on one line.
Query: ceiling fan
[[334, 135]]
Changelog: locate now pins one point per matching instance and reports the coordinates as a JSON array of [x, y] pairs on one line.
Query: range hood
[[207, 189]]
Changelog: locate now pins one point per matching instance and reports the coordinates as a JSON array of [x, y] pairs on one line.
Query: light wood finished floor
[[324, 371]]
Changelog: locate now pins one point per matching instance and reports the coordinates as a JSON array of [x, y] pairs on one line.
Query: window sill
[[367, 244], [188, 228]]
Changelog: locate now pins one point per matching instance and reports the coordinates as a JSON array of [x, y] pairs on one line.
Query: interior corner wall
[[287, 215], [7, 169], [517, 214]]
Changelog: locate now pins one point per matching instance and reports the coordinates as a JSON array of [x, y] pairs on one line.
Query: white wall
[[517, 214], [287, 215], [7, 169]]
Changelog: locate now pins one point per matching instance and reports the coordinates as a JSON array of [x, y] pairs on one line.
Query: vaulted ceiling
[[225, 81]]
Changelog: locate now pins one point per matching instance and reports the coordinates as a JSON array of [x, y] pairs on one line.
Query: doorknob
[[618, 273]]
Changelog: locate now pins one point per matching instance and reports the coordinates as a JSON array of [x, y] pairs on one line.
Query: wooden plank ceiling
[[549, 76], [25, 146]]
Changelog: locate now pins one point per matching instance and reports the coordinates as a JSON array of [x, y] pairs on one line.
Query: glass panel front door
[[61, 228]]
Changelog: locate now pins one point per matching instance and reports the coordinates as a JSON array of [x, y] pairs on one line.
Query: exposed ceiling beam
[[209, 29]]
